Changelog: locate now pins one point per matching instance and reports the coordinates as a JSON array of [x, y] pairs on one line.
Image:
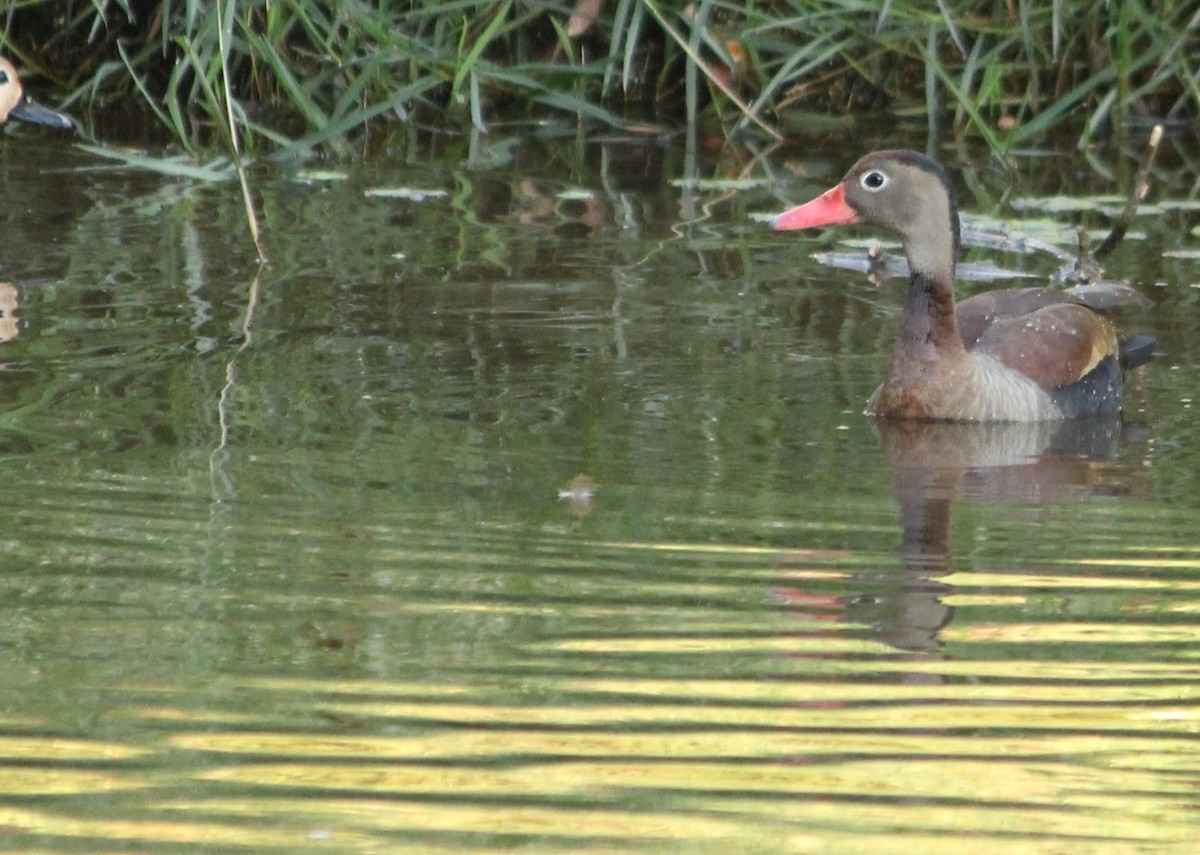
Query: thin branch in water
[[1137, 194], [235, 141]]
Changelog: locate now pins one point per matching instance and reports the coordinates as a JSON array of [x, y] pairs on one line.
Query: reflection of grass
[[299, 75]]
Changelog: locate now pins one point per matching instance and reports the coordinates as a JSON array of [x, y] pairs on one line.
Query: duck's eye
[[874, 181], [3, 78]]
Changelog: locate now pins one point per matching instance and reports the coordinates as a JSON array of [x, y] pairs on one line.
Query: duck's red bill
[[825, 210]]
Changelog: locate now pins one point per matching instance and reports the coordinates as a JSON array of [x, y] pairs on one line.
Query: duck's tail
[[1136, 350]]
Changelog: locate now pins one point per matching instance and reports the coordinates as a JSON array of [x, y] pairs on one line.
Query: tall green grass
[[295, 77]]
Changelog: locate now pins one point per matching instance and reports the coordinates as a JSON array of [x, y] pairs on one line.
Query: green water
[[288, 564]]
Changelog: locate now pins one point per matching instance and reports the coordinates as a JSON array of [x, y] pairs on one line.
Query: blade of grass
[[174, 167], [466, 64], [691, 87], [708, 72], [948, 19], [342, 125], [306, 105], [1062, 107], [1055, 29], [559, 100], [970, 70], [632, 42], [793, 67], [476, 106], [980, 124], [167, 120], [620, 32], [320, 62]]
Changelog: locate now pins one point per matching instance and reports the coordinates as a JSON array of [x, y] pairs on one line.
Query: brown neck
[[929, 327]]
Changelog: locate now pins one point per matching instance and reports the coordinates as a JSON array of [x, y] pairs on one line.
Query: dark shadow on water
[[936, 465]]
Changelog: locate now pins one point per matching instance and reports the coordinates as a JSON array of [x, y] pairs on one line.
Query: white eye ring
[[874, 181]]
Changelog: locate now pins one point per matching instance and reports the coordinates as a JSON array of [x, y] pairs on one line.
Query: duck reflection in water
[[934, 465]]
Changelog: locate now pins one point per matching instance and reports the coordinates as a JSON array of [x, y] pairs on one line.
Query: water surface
[[300, 559]]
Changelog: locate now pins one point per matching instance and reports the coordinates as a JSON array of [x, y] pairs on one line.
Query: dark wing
[[1055, 346], [977, 315]]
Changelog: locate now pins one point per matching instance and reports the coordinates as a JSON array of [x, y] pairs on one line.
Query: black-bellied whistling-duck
[[14, 104], [1028, 354]]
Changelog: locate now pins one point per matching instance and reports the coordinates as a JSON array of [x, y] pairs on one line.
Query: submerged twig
[[1137, 194], [1009, 241], [1086, 267]]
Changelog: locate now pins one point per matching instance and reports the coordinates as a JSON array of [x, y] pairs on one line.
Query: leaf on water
[[309, 176], [890, 266], [575, 194], [414, 194], [1065, 204], [723, 184], [987, 271], [1040, 235], [1174, 205], [884, 266], [874, 246], [1097, 235]]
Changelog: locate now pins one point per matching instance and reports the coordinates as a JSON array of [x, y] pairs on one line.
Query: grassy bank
[[291, 76]]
